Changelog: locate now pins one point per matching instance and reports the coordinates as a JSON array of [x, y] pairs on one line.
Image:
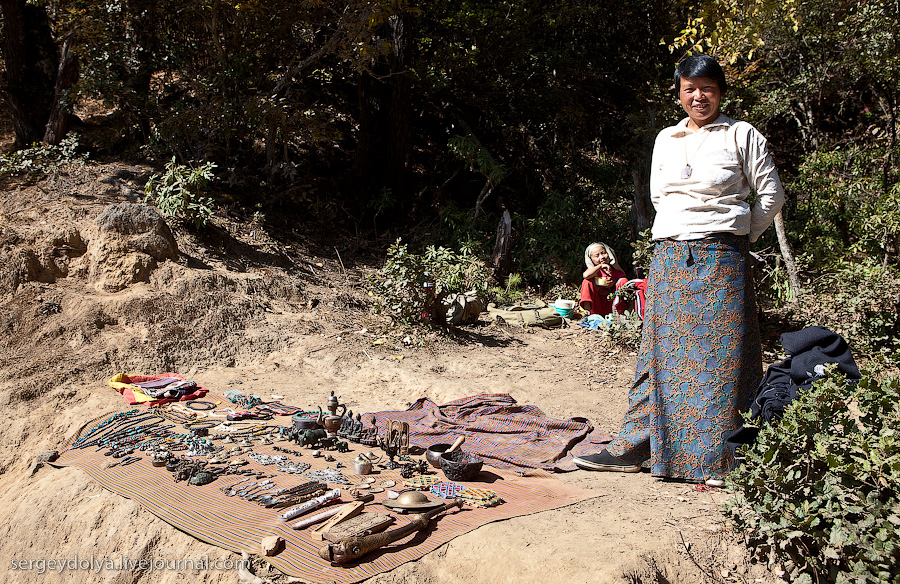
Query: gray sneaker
[[605, 461]]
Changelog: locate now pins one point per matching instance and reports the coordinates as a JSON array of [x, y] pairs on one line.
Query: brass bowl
[[461, 466], [433, 454]]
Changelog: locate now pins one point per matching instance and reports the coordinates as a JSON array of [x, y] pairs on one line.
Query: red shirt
[[597, 295]]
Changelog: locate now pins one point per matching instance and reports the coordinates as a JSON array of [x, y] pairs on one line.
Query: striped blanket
[[205, 512], [503, 432]]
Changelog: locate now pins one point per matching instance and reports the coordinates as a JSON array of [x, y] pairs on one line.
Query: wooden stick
[[349, 510], [456, 444]]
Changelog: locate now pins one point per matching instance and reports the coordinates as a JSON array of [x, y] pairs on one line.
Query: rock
[[271, 545], [40, 458], [131, 240]]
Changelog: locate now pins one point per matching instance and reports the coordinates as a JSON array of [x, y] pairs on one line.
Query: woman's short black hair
[[700, 66]]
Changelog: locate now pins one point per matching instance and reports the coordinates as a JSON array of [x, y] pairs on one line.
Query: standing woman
[[700, 356]]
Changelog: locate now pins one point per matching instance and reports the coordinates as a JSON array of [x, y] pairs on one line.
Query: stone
[[271, 545], [40, 458], [131, 240]]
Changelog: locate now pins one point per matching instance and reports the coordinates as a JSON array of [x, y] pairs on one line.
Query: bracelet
[[199, 405], [200, 424]]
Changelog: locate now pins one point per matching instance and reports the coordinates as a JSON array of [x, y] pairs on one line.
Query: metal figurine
[[391, 446]]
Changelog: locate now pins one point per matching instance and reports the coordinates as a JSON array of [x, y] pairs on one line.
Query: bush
[[509, 294], [552, 247], [179, 193], [41, 159], [623, 330], [399, 287], [819, 489], [861, 303]]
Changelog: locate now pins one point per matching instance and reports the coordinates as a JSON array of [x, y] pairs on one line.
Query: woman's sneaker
[[605, 461]]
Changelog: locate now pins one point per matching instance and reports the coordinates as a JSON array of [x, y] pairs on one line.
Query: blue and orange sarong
[[700, 359]]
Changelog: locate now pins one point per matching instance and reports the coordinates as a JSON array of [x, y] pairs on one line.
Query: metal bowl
[[433, 454], [460, 466]]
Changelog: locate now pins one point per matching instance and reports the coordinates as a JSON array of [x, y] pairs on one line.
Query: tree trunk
[[31, 66], [61, 114], [641, 207], [142, 36], [501, 257], [384, 103], [788, 256]]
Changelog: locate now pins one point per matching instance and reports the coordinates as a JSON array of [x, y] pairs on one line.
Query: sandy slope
[[54, 363]]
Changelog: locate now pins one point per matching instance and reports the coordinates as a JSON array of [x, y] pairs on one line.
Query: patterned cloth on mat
[[499, 430], [700, 359]]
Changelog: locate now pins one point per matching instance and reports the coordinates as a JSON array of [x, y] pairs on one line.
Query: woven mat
[[206, 513]]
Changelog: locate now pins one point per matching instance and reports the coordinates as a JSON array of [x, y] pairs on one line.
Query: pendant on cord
[[686, 171]]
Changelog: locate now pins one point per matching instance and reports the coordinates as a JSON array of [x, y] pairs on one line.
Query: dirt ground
[[289, 318]]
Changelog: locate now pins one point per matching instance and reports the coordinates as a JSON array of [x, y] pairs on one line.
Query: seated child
[[600, 279]]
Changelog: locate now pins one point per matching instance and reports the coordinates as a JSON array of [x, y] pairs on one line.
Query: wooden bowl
[[433, 454], [460, 466]]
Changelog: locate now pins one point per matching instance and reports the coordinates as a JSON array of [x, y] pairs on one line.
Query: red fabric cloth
[[597, 295], [640, 293], [641, 300], [128, 394]]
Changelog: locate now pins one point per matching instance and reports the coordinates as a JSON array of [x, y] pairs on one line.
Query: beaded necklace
[[120, 428], [113, 419]]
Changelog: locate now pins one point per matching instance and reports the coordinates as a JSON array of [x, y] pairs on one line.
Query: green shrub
[[859, 301], [642, 254], [552, 250], [624, 331], [819, 489], [399, 287], [509, 294], [179, 193], [41, 159]]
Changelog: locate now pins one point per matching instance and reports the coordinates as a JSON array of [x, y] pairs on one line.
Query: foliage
[[642, 255], [477, 157], [773, 282], [509, 294], [840, 189], [179, 192], [565, 223], [859, 301], [623, 330], [41, 159], [399, 287], [564, 291], [820, 489], [458, 227], [877, 224]]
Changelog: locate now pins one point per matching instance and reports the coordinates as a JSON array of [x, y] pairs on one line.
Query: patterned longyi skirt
[[700, 359]]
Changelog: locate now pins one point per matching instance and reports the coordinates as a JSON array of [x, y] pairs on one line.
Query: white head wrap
[[613, 263]]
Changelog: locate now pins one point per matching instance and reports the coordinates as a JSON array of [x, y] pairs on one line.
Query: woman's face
[[700, 97], [599, 255]]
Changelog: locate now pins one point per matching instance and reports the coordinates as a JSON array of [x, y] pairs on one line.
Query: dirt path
[[301, 333]]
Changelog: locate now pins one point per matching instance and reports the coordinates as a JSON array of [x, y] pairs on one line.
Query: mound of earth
[[93, 282]]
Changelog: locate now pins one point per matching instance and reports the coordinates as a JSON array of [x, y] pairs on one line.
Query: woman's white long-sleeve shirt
[[727, 159]]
